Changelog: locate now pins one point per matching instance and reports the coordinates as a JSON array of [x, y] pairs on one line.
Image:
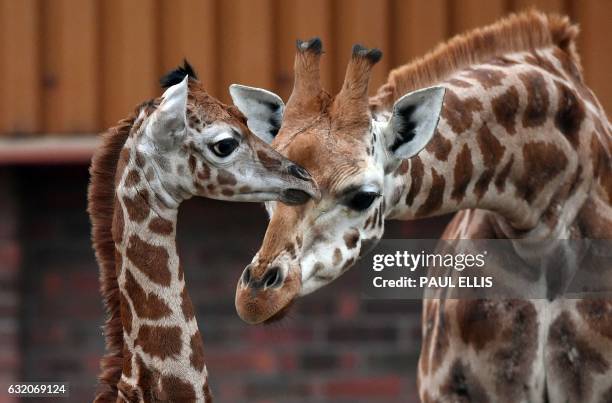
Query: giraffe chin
[[280, 315], [255, 314]]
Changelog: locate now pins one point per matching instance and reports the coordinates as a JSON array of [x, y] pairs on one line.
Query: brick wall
[[334, 347]]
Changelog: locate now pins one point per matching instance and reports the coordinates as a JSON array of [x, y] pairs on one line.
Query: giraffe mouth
[[295, 196], [280, 315]]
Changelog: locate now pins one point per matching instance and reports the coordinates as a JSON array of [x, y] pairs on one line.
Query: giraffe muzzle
[[273, 277]]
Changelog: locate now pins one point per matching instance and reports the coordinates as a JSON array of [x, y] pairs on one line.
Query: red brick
[[53, 284], [243, 361], [273, 336], [10, 257], [348, 306], [381, 387]]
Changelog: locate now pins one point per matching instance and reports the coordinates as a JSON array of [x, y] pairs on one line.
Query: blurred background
[[71, 68]]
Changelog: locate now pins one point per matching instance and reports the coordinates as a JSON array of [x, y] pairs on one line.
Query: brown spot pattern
[[161, 226], [488, 78], [462, 173], [439, 146], [126, 314], [505, 107], [478, 322], [417, 170], [192, 163], [535, 59], [127, 361], [570, 114], [197, 351], [567, 64], [402, 169], [458, 113], [435, 196], [150, 259], [186, 305], [267, 160], [351, 238], [597, 313], [140, 160], [132, 178], [537, 99], [337, 257], [226, 178], [177, 390], [146, 305], [137, 208], [463, 386], [118, 223], [514, 360], [492, 152], [542, 163], [204, 173], [572, 359], [160, 341], [227, 192]]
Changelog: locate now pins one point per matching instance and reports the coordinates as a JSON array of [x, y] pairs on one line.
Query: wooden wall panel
[[416, 28], [130, 60], [595, 48], [70, 66], [548, 6], [189, 30], [247, 44], [364, 22], [469, 14], [302, 19], [20, 103]]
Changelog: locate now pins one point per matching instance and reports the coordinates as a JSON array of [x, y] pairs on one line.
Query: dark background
[[334, 346]]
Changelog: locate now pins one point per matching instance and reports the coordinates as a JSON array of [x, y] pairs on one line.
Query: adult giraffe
[[522, 151], [184, 144]]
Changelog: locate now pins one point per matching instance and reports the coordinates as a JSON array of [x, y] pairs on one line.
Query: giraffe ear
[[167, 123], [263, 109], [413, 121]]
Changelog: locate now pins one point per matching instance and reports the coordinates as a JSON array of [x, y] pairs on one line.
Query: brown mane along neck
[[101, 206], [515, 33]]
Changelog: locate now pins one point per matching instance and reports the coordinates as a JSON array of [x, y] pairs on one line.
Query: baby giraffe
[[184, 144]]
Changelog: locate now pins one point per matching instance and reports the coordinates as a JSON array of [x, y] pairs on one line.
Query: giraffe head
[[197, 145], [352, 156]]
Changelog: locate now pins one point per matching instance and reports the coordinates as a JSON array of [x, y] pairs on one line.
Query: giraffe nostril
[[299, 172], [273, 277], [246, 276]]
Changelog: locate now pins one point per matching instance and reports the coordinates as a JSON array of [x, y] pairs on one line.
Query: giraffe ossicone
[[522, 150], [183, 144]]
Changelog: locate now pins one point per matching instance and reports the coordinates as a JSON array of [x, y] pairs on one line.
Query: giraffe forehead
[[202, 109], [330, 157]]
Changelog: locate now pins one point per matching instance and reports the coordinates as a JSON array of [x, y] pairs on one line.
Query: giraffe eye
[[224, 147], [361, 201]]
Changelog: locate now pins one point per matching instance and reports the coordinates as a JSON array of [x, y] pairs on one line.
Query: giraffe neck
[[512, 139], [163, 351]]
